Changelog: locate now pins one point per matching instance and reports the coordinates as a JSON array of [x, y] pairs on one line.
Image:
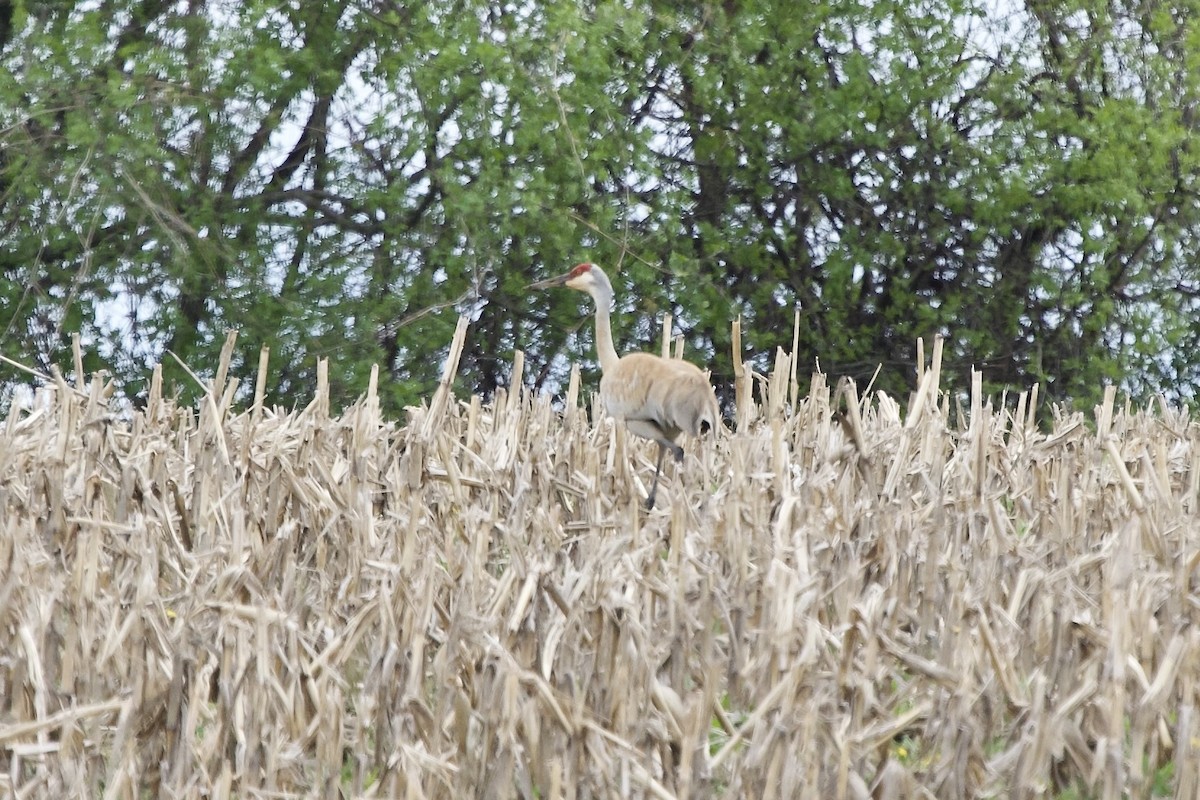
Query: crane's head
[[583, 277]]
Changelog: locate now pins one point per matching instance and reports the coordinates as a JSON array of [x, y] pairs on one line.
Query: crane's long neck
[[602, 295]]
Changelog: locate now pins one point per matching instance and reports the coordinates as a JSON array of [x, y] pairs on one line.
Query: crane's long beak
[[551, 282]]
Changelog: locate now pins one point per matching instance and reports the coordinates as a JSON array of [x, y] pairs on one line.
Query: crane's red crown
[[580, 269]]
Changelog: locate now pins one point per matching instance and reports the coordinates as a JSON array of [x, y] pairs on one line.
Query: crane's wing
[[673, 394]]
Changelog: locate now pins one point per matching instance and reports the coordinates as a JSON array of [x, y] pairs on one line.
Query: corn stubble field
[[837, 597]]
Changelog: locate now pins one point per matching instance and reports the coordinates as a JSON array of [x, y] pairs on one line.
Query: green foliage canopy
[[343, 179]]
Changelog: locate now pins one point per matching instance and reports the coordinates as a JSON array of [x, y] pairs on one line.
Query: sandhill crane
[[657, 398]]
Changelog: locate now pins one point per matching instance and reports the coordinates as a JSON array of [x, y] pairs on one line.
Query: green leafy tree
[[344, 179]]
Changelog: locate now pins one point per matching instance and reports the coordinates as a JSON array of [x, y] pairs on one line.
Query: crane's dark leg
[[676, 451], [662, 451]]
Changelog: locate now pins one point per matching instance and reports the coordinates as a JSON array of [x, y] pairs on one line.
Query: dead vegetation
[[840, 601]]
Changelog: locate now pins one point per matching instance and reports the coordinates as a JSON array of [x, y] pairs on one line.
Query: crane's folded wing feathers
[[673, 394]]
